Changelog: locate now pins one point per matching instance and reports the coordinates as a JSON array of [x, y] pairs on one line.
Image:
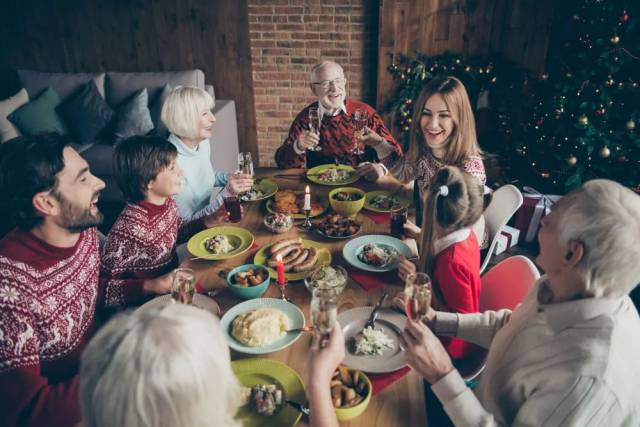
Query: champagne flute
[[324, 311], [417, 292], [314, 126], [360, 120], [183, 286], [245, 163]]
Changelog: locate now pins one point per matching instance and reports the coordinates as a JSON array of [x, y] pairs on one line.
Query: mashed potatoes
[[259, 327]]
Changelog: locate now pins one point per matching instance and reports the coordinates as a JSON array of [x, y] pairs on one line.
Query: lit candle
[[307, 199], [280, 268]]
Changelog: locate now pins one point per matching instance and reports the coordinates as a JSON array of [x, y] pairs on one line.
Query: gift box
[[507, 239], [534, 206]]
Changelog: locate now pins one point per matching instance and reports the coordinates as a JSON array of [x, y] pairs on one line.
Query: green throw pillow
[[39, 115]]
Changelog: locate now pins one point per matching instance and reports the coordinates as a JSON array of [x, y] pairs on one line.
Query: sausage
[[299, 260], [281, 244], [308, 263], [285, 251], [291, 253]]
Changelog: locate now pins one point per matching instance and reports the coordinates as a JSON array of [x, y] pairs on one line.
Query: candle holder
[[307, 225], [282, 286]]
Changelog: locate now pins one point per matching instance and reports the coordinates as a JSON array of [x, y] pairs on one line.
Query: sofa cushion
[[63, 83], [7, 106], [85, 113], [120, 86], [156, 110], [39, 115], [133, 117]]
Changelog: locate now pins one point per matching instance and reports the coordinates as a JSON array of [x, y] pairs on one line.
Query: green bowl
[[252, 291], [347, 208], [345, 414]]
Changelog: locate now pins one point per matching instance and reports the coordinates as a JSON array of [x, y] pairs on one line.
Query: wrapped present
[[534, 206], [507, 239]]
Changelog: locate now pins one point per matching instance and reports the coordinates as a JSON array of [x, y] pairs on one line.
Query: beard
[[76, 218]]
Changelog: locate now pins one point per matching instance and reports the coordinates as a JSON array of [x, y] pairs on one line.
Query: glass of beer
[[324, 311], [417, 291], [232, 205], [183, 286]]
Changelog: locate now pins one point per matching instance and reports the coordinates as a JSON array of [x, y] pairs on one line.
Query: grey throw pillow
[[85, 113], [156, 109], [133, 117]]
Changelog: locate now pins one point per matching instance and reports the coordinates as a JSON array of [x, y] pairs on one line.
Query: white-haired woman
[[160, 367], [568, 355], [187, 114]]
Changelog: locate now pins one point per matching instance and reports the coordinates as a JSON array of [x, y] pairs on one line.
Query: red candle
[[280, 268]]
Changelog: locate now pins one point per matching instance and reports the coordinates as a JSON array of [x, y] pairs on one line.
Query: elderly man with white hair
[[568, 355], [336, 138]]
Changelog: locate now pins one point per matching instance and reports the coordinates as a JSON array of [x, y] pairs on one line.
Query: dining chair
[[504, 287], [504, 203]]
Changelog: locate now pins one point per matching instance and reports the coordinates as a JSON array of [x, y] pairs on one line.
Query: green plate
[[313, 174], [268, 187], [266, 371], [404, 202], [240, 238], [271, 207], [324, 257]]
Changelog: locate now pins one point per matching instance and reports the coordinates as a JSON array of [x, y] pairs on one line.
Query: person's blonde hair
[[463, 141], [455, 207], [158, 367], [604, 216], [182, 110]]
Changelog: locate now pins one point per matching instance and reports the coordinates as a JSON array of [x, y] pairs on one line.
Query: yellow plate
[[268, 187], [313, 174], [271, 207], [240, 238], [403, 202], [324, 257]]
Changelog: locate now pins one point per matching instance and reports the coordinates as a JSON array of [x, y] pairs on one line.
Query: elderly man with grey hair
[[568, 355]]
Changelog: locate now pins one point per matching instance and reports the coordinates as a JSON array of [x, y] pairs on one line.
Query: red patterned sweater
[[48, 297], [336, 137], [141, 245]]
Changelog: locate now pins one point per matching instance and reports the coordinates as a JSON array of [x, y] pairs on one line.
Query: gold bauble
[[631, 125], [583, 120], [604, 152], [615, 39], [572, 160]]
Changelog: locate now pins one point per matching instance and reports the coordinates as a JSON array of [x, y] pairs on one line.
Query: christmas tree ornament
[[600, 111], [545, 174], [609, 82], [625, 17], [405, 128], [583, 120], [572, 160], [604, 152], [408, 101], [545, 76], [409, 120], [568, 75], [622, 159], [630, 125], [615, 39], [404, 113], [402, 76]]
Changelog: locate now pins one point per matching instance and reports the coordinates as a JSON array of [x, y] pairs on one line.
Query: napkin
[[370, 281], [377, 217], [381, 381]]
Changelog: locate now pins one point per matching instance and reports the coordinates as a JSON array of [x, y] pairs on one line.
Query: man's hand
[[411, 230], [369, 137], [307, 139], [322, 362], [239, 183], [159, 285], [218, 217], [405, 268], [370, 171], [425, 352]]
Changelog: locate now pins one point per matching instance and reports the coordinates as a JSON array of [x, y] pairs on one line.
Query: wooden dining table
[[401, 403]]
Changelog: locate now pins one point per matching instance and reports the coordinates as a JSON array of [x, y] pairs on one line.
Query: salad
[[386, 202], [335, 175], [253, 194], [278, 222], [218, 244], [345, 196], [328, 277], [264, 398], [372, 342], [378, 255]]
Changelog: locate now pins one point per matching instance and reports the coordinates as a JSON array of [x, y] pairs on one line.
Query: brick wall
[[288, 37]]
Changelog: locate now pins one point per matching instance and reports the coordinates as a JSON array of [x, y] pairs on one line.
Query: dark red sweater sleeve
[[286, 156]]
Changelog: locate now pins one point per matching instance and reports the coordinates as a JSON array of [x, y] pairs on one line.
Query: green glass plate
[[266, 371], [324, 257], [313, 174], [240, 238], [268, 187], [368, 197]]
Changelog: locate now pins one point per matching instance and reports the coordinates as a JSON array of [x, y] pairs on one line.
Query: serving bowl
[[251, 291], [347, 208], [285, 218], [310, 280], [345, 414]]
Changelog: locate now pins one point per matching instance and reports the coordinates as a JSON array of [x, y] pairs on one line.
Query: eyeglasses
[[326, 84]]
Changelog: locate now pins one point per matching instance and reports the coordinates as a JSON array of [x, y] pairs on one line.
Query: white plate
[[200, 301], [354, 247], [391, 322]]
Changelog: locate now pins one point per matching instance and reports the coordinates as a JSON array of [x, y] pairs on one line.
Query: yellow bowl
[[345, 414], [347, 208]]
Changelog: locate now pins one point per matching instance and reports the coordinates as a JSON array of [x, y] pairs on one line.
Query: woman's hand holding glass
[[369, 136], [370, 171], [405, 268], [411, 230]]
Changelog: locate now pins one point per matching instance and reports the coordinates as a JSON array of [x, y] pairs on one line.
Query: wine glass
[[245, 163], [314, 126], [324, 311], [360, 120], [183, 286], [417, 290]]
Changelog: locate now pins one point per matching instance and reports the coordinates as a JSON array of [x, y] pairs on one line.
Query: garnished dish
[[386, 202], [335, 225], [344, 196], [255, 193], [218, 244], [333, 175], [327, 277], [348, 388], [372, 342], [251, 277], [260, 327], [278, 222], [294, 255], [261, 189], [290, 202], [264, 399], [378, 255]]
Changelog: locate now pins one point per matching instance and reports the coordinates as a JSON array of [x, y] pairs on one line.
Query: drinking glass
[[397, 221], [245, 163], [360, 120], [324, 311], [417, 290], [232, 205], [314, 126], [183, 286]]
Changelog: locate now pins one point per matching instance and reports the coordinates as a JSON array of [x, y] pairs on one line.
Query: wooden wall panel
[[518, 29], [137, 35]]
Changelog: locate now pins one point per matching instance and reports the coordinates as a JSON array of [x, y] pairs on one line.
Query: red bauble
[[622, 159], [600, 111], [624, 18]]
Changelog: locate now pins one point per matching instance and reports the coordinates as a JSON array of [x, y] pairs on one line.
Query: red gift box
[[534, 206]]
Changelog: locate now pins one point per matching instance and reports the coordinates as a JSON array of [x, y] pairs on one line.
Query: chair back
[[504, 203], [508, 283]]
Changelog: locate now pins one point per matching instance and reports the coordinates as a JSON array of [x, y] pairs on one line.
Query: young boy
[[140, 253]]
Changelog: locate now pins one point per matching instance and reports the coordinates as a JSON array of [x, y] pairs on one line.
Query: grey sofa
[[116, 87]]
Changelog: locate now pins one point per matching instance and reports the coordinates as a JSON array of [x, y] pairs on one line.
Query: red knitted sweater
[[336, 137], [48, 297], [142, 245]]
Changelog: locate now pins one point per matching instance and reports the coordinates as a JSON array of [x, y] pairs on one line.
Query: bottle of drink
[[232, 205]]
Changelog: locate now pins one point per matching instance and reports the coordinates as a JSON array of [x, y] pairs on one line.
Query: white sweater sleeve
[[477, 328]]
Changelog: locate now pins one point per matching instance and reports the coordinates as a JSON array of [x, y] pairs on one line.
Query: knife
[[374, 314], [299, 406]]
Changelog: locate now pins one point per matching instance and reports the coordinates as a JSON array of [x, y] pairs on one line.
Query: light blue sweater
[[199, 180]]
